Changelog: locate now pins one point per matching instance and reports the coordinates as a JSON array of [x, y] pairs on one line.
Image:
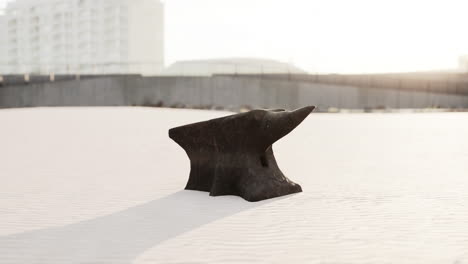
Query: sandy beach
[[105, 185]]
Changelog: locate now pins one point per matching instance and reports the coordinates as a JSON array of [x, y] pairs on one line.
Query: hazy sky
[[321, 35]]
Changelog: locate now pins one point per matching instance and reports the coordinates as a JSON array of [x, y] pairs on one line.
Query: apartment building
[[82, 36], [3, 40]]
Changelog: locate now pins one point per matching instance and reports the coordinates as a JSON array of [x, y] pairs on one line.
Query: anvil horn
[[233, 155]]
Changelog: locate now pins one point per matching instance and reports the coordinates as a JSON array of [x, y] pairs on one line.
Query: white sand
[[104, 185]]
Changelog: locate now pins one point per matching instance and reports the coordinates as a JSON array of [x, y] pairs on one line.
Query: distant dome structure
[[231, 66]]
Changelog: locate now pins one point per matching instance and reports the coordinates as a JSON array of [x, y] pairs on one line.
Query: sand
[[105, 185]]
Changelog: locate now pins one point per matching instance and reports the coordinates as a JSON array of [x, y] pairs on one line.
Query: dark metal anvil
[[233, 155]]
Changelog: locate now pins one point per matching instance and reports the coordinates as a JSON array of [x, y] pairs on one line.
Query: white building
[[82, 36], [231, 66], [3, 40]]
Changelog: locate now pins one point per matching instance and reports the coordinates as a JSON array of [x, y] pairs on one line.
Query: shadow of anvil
[[233, 155]]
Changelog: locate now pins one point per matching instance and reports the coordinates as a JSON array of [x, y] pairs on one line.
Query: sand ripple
[[104, 186]]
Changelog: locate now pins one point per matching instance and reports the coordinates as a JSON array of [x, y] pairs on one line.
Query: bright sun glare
[[325, 36]]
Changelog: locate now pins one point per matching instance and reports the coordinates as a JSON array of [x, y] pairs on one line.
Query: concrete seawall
[[223, 91]]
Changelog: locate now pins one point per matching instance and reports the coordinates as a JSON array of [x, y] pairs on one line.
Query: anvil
[[233, 155]]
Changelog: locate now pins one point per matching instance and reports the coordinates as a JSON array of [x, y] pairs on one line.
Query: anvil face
[[233, 155]]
